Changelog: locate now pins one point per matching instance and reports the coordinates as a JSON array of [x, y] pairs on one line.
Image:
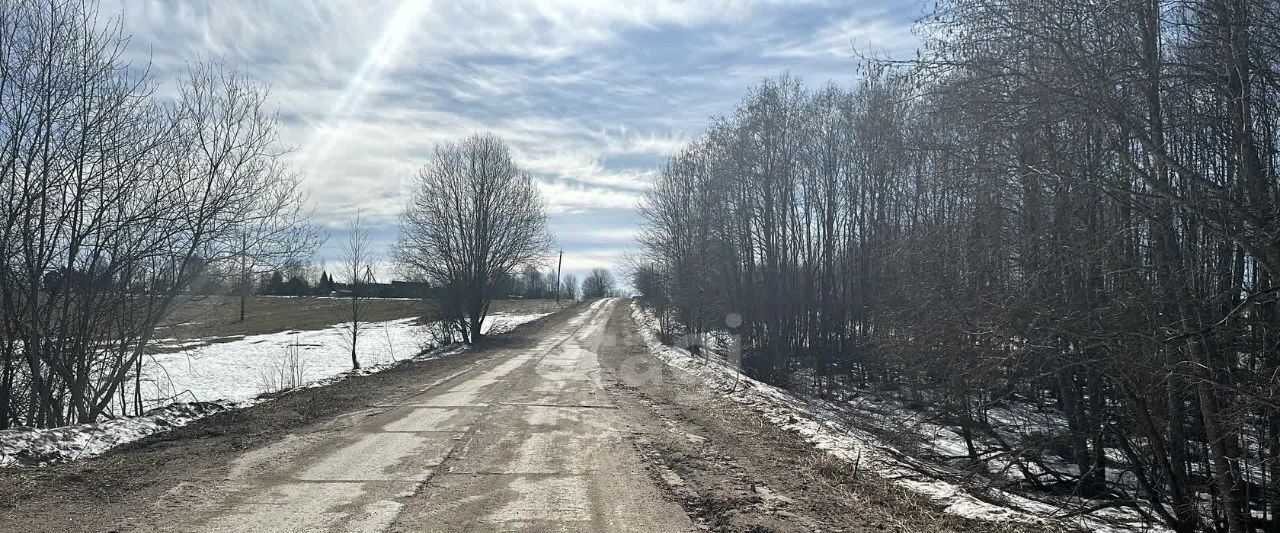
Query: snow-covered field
[[823, 425], [206, 376], [240, 369]]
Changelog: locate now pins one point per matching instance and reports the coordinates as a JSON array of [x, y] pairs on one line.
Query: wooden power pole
[[559, 263]]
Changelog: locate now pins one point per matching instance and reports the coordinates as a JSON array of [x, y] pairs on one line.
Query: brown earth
[[733, 470], [571, 411]]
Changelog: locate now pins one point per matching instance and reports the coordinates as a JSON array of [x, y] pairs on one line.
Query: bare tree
[[474, 218], [598, 284], [532, 283], [569, 287], [114, 205], [356, 271]]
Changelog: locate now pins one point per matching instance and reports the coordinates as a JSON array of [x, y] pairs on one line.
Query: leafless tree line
[[533, 283], [569, 287], [113, 201], [1066, 204], [598, 284]]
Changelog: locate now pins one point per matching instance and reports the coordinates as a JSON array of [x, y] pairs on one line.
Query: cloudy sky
[[592, 95]]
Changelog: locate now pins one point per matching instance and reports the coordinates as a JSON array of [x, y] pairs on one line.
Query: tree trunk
[[355, 326], [1224, 473], [6, 388]]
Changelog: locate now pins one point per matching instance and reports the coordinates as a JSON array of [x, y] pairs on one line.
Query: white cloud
[[592, 96], [663, 144], [583, 261], [587, 170], [622, 234], [872, 32], [563, 196]]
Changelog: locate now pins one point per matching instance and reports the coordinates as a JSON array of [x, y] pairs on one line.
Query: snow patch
[[187, 385], [820, 424], [235, 370], [40, 447]]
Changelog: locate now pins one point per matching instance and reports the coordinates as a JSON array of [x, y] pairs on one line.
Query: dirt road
[[567, 424], [525, 440]]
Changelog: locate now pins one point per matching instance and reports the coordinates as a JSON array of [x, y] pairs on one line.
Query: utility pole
[[559, 263]]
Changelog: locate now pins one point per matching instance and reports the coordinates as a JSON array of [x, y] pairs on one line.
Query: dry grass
[[218, 316], [287, 370], [908, 511]]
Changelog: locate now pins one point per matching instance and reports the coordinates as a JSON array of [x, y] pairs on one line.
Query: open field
[[183, 380], [218, 316]]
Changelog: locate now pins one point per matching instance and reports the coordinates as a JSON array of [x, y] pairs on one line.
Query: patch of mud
[[734, 471]]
